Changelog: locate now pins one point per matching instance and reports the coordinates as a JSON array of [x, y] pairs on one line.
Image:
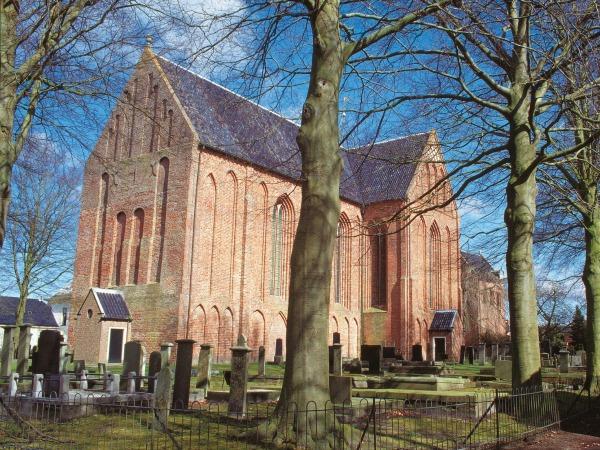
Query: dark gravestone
[[261, 361], [470, 355], [355, 366], [278, 351], [183, 373], [154, 366], [336, 338], [462, 354], [204, 368], [374, 355], [389, 352], [48, 360], [133, 361], [417, 353], [335, 359]]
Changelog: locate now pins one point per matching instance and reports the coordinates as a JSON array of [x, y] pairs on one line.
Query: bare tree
[[39, 250]]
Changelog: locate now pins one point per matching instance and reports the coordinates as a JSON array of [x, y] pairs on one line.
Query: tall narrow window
[[163, 191], [119, 250], [379, 266], [133, 108], [102, 231], [282, 220], [117, 136], [342, 261], [138, 233], [435, 272], [154, 118], [170, 132]]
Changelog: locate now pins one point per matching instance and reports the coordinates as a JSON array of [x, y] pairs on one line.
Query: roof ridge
[[228, 90], [385, 141]]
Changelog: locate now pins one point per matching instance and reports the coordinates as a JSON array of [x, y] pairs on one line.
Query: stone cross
[[154, 366], [481, 354], [165, 351], [162, 399], [204, 368], [36, 385], [261, 361], [239, 379], [563, 356], [13, 384], [23, 348], [8, 350], [183, 373]]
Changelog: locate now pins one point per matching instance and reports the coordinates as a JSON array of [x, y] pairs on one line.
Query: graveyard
[[166, 397]]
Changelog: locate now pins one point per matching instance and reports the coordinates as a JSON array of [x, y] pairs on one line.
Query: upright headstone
[[63, 387], [462, 354], [133, 360], [503, 369], [79, 366], [36, 385], [101, 368], [66, 356], [162, 398], [481, 354], [583, 356], [23, 348], [340, 389], [563, 356], [8, 350], [131, 380], [48, 360], [83, 382], [13, 384], [183, 373], [261, 361], [389, 352], [278, 351], [494, 353], [114, 380], [336, 338], [239, 379], [154, 366], [374, 355], [417, 353], [471, 355], [335, 359], [204, 368], [165, 352]]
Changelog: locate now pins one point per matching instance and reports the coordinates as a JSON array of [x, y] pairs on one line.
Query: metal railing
[[99, 420]]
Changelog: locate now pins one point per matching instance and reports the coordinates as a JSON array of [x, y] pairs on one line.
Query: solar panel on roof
[[113, 304], [443, 321]]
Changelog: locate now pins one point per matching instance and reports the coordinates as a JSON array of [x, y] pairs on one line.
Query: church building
[[189, 208]]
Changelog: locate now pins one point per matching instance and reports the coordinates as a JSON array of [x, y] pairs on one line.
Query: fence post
[[374, 426], [497, 421]]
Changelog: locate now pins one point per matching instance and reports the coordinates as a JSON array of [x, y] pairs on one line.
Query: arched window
[[342, 261], [119, 250], [138, 233], [162, 194], [104, 184], [378, 245], [435, 272], [282, 219]]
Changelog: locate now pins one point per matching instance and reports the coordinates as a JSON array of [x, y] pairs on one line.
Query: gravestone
[[563, 357], [79, 366], [278, 351], [261, 361], [236, 407], [503, 369], [133, 361], [340, 389], [162, 399], [63, 387], [374, 355], [336, 338], [471, 355], [417, 353], [335, 359], [462, 354], [165, 351], [48, 360], [481, 354], [204, 368], [23, 348], [576, 361], [36, 385], [13, 384], [83, 383], [8, 350], [355, 366], [583, 355], [389, 352], [101, 368], [154, 367], [494, 352], [183, 373], [131, 379], [66, 357]]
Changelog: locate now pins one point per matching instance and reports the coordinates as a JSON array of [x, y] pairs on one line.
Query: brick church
[[189, 208]]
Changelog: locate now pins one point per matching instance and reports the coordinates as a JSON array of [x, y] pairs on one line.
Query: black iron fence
[[481, 418]]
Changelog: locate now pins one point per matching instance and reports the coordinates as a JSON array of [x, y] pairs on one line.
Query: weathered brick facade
[[198, 235]]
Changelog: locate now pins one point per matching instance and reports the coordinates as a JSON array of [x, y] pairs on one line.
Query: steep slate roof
[[111, 303], [37, 313], [443, 320], [240, 128]]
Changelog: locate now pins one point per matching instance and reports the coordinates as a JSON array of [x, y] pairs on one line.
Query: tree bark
[[591, 280], [8, 94], [310, 275], [519, 217]]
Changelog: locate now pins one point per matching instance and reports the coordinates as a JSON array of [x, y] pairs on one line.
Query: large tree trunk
[[306, 380], [591, 280], [8, 94], [519, 218]]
